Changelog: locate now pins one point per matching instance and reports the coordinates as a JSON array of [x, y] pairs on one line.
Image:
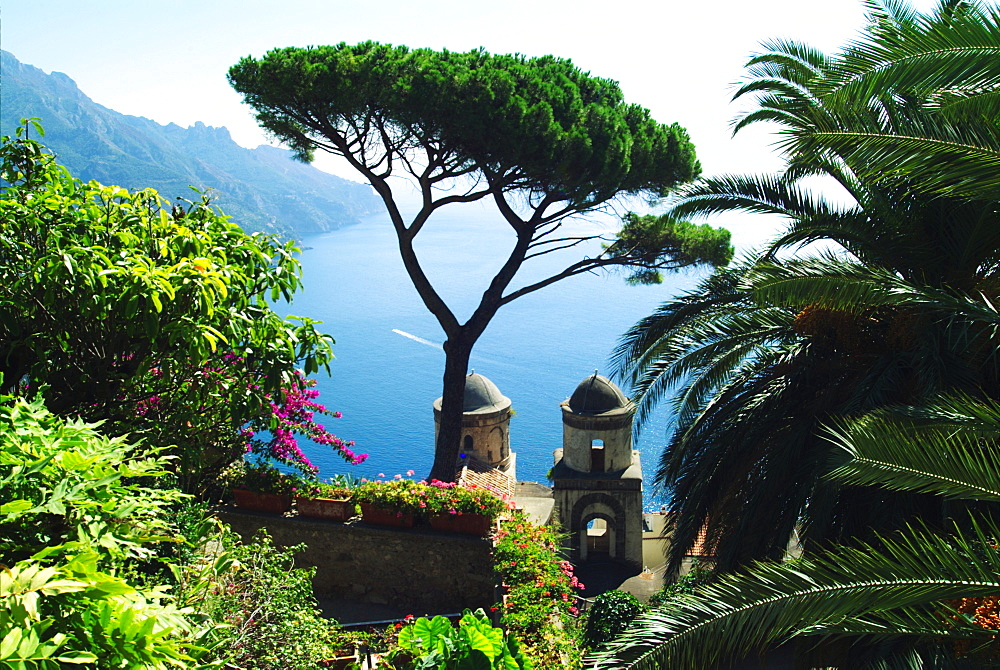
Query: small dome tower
[[486, 416], [597, 475], [597, 427]]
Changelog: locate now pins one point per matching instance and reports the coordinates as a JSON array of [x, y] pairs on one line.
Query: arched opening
[[607, 539], [597, 455], [467, 444], [597, 538]]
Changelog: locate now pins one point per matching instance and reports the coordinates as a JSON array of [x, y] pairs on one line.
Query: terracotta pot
[[468, 524], [324, 508], [275, 503], [341, 662], [383, 517]]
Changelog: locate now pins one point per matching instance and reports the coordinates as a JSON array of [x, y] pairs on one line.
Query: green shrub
[[263, 608], [78, 515], [473, 645], [685, 584], [611, 614]]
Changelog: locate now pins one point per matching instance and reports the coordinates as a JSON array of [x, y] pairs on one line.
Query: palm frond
[[949, 457], [839, 593]]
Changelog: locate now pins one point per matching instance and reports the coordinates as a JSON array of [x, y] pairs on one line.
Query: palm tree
[[768, 351], [921, 598]]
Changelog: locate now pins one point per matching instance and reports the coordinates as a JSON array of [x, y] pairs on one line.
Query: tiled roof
[[474, 471], [700, 548]]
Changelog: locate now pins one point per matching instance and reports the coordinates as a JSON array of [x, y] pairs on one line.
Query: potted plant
[[262, 487], [330, 499], [391, 503], [348, 645], [463, 509]]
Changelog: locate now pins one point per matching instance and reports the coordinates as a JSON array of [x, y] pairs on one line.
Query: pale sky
[[167, 60]]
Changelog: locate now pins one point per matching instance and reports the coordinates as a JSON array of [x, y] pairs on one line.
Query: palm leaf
[[844, 592], [949, 457]]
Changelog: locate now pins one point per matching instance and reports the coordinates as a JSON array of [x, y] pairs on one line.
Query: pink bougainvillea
[[219, 412]]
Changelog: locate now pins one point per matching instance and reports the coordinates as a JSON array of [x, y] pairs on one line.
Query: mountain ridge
[[262, 189]]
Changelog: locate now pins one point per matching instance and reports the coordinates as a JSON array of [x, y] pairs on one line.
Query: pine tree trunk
[[457, 352]]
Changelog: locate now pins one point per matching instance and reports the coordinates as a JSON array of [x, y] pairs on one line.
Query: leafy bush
[[684, 584], [78, 514], [611, 614], [473, 645], [154, 318], [265, 613]]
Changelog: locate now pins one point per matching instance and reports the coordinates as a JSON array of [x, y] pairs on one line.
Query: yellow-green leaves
[[77, 510], [99, 284]]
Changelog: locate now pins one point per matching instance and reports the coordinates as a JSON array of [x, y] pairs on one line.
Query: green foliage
[[181, 280], [112, 298], [78, 513], [263, 609], [62, 482], [654, 236], [760, 356], [539, 121], [473, 645], [72, 613], [685, 584], [611, 614], [904, 590]]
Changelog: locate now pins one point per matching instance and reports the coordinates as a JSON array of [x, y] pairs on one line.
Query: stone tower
[[485, 425], [597, 475]]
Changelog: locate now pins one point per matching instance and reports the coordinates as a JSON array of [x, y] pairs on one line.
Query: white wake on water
[[417, 339]]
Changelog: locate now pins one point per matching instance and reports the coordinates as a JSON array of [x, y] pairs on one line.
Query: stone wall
[[423, 570]]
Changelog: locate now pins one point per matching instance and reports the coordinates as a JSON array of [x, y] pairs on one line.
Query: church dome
[[596, 395], [482, 394]]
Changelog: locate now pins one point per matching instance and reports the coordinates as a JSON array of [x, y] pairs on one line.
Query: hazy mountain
[[262, 188]]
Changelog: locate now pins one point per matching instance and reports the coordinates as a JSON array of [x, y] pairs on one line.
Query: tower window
[[597, 456], [467, 444]]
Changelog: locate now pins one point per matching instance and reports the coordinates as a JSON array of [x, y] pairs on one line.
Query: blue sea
[[389, 364]]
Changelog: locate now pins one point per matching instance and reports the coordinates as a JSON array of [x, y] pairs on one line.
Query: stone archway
[[598, 506], [597, 542]]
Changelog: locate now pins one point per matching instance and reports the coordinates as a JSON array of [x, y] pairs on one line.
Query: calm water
[[389, 361]]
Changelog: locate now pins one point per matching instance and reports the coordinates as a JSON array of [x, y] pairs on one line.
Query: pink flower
[[409, 473]]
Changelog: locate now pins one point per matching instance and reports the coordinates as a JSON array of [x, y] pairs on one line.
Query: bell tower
[[597, 475], [486, 416]]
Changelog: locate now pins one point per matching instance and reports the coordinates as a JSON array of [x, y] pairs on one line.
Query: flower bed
[[379, 516], [466, 524], [443, 499], [331, 499], [273, 503]]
